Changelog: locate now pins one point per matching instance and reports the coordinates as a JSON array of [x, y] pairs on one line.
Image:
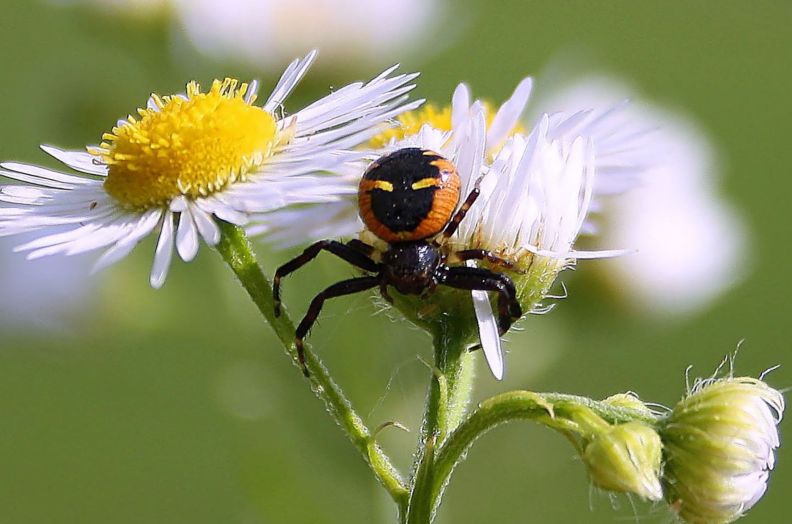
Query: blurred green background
[[177, 405]]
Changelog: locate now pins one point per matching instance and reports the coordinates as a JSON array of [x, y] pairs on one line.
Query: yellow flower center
[[410, 123], [191, 146]]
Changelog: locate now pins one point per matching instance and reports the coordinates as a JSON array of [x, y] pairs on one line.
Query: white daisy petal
[[289, 80], [488, 331], [178, 204], [206, 226], [508, 116], [58, 238], [470, 157], [187, 236], [145, 225], [163, 253], [103, 233], [460, 102], [79, 160], [41, 181], [218, 207]]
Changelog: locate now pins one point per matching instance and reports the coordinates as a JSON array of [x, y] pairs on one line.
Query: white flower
[[534, 198], [263, 33], [540, 191], [720, 444], [689, 242], [430, 127], [465, 133], [188, 160], [534, 202]]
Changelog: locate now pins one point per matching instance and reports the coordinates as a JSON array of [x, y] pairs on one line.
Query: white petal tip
[[488, 331]]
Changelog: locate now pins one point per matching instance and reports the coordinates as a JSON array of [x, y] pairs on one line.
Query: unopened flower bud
[[626, 458], [628, 401], [719, 448]]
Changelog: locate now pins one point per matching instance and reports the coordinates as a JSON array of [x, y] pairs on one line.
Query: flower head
[[538, 189], [719, 445], [534, 202], [186, 161], [441, 128], [263, 33], [534, 198], [626, 458], [535, 195]]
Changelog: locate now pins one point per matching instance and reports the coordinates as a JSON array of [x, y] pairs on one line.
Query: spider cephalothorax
[[407, 198]]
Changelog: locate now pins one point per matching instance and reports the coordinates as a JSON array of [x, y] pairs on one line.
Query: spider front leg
[[473, 278], [482, 254], [453, 224], [345, 287], [355, 252]]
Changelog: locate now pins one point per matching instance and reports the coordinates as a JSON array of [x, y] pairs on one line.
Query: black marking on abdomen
[[403, 208]]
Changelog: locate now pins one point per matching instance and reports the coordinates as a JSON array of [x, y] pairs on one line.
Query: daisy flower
[[431, 127], [539, 188], [534, 201], [263, 33], [184, 162]]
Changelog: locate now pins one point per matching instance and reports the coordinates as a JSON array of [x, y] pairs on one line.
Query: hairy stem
[[235, 249], [446, 405]]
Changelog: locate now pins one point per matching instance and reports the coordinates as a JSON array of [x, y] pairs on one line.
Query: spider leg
[[482, 254], [345, 287], [384, 292], [354, 252], [474, 278], [359, 245], [453, 224]]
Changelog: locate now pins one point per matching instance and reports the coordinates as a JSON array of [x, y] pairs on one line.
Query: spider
[[407, 198]]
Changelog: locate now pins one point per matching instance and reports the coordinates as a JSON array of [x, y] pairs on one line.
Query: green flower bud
[[628, 401], [719, 448], [626, 458]]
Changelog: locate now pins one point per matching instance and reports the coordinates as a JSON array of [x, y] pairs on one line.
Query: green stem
[[554, 410], [447, 401], [235, 249]]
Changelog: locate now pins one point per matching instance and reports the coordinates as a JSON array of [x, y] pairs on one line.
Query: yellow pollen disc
[[410, 123], [191, 146]]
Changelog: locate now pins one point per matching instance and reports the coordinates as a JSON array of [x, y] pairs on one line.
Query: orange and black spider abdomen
[[408, 195]]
